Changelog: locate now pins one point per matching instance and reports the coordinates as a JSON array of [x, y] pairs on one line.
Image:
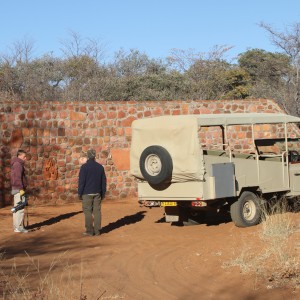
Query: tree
[[8, 80], [82, 67], [237, 84], [269, 73], [266, 66], [14, 72], [45, 78], [136, 76], [207, 78], [288, 41], [76, 46], [182, 60], [135, 63], [204, 72]]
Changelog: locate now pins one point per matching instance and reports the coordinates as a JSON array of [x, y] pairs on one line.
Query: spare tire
[[156, 165]]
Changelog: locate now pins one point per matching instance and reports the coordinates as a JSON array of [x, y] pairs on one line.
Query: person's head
[[91, 154], [21, 154], [83, 159]]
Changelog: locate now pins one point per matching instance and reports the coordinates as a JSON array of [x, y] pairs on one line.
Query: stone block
[[77, 116], [61, 132], [121, 159], [121, 114], [111, 115], [127, 122], [16, 140]]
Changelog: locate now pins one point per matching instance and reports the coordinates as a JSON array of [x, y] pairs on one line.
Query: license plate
[[170, 203]]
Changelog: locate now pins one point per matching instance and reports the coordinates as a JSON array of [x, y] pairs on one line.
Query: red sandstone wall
[[55, 133]]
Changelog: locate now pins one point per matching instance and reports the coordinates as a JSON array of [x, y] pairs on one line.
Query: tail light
[[198, 203]]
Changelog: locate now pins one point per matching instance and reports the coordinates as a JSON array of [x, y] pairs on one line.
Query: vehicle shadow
[[51, 221], [210, 219], [214, 218], [127, 220]]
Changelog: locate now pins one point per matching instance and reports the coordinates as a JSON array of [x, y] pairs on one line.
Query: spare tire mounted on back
[[156, 165]]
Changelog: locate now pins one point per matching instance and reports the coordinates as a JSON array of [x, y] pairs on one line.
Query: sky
[[153, 27]]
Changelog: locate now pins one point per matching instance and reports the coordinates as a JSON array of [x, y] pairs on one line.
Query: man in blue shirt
[[91, 190]]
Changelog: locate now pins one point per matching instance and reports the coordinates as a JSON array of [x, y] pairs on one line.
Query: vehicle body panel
[[207, 174]]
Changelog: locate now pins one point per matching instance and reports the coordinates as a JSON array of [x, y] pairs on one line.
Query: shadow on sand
[[128, 220], [52, 221], [137, 217]]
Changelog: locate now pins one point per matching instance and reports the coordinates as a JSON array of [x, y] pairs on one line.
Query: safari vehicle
[[191, 164]]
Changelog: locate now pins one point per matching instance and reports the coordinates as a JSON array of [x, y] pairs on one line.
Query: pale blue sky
[[153, 26]]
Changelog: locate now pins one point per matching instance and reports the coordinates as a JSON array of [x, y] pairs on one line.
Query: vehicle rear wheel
[[246, 211], [156, 165]]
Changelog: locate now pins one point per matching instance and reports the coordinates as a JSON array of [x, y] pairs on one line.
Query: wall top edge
[[129, 102]]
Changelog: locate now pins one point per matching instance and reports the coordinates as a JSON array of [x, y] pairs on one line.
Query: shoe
[[88, 234], [98, 232], [23, 230]]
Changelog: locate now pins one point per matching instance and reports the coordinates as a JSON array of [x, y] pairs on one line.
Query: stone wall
[[56, 133]]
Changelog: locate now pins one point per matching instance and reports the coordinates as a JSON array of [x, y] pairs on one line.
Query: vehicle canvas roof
[[234, 119], [245, 118], [179, 136]]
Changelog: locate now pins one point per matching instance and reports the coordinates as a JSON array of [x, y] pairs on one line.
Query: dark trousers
[[91, 206]]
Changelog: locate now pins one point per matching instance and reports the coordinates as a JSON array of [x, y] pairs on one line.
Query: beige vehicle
[[175, 169]]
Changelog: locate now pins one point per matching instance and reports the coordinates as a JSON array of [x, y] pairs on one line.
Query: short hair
[[21, 151], [91, 154]]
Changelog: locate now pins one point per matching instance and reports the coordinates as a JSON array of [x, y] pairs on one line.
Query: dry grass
[[57, 282], [276, 222], [276, 260], [281, 237]]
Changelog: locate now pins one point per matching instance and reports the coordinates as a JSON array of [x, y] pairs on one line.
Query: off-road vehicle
[[191, 164]]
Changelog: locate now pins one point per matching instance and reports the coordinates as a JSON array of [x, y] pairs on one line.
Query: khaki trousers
[[91, 206], [18, 217]]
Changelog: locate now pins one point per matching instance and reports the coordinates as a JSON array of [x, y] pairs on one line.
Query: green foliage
[[133, 75], [79, 68], [265, 66], [207, 78], [186, 74], [237, 84], [135, 63]]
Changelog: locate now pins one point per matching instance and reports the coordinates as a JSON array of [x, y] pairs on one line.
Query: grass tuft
[[276, 260]]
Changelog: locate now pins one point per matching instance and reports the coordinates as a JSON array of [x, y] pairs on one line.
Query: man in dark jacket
[[91, 190], [18, 186]]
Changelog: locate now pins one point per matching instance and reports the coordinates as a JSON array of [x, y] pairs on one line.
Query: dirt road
[[138, 256]]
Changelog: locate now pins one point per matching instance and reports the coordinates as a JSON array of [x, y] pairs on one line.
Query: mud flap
[[171, 214]]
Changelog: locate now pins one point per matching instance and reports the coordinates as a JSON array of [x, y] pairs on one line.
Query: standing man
[[91, 190], [18, 186]]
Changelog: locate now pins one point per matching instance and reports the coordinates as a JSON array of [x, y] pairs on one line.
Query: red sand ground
[[138, 256]]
